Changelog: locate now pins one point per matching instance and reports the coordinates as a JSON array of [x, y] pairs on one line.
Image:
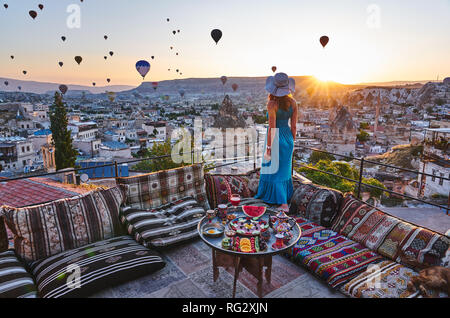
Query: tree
[[316, 156], [363, 136], [157, 150], [65, 153], [364, 125]]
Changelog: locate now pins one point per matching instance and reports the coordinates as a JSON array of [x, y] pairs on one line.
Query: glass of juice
[[235, 200]]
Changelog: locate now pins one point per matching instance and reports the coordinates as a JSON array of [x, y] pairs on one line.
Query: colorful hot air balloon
[[111, 96], [324, 40], [6, 6], [41, 6], [216, 34], [182, 92], [155, 85], [63, 88], [78, 59], [235, 87], [33, 14], [224, 79], [274, 69], [143, 67]]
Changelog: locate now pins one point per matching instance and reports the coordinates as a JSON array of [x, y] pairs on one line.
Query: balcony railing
[[256, 156]]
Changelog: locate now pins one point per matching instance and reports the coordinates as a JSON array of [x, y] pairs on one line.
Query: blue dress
[[275, 184]]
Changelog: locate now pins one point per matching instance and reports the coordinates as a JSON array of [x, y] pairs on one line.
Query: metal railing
[[255, 156], [361, 184]]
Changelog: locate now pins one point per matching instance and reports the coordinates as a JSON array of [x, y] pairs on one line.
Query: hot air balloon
[[174, 32], [143, 67], [63, 38], [63, 88], [216, 34], [171, 47], [177, 71], [168, 19], [224, 79], [12, 57], [105, 37], [6, 6], [324, 40], [93, 84], [153, 57], [61, 64], [111, 53], [274, 69], [178, 31], [24, 72], [111, 96], [33, 14], [182, 92], [41, 6], [108, 80], [6, 83], [19, 87], [235, 87], [78, 59], [155, 85], [105, 57]]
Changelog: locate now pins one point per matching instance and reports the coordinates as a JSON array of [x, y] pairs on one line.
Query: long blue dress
[[275, 184]]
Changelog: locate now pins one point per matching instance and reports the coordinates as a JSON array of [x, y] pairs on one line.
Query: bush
[[317, 156]]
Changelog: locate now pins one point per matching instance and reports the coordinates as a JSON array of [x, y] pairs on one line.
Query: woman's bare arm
[[294, 119], [272, 109]]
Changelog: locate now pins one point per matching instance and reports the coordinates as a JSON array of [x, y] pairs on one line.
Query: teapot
[[281, 223]]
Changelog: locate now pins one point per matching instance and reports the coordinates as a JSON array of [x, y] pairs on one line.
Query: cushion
[[330, 256], [219, 187], [15, 281], [149, 191], [3, 236], [44, 230], [386, 279], [100, 265], [387, 235], [167, 225], [317, 204]]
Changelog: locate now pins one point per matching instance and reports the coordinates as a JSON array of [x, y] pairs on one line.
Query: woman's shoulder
[[272, 105]]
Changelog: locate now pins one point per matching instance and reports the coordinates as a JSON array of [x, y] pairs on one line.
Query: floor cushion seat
[[100, 265], [15, 281], [386, 279], [330, 256]]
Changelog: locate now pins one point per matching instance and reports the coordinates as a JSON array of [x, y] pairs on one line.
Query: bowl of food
[[213, 230]]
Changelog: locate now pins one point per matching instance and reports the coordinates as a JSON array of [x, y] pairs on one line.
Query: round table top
[[216, 242]]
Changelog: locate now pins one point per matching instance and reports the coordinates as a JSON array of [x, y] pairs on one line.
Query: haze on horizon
[[370, 41]]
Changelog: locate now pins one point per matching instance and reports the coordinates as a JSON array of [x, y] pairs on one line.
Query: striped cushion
[[3, 236], [15, 282], [152, 190], [101, 265], [167, 225], [44, 230]]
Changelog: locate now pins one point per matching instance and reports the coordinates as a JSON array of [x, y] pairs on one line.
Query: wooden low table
[[258, 264]]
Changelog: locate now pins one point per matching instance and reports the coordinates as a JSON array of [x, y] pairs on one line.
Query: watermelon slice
[[254, 211]]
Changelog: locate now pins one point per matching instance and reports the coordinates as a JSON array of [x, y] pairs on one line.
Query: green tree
[[65, 154], [363, 136], [157, 150], [316, 156], [364, 125]]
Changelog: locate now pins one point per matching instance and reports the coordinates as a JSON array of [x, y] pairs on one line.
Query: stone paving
[[188, 274]]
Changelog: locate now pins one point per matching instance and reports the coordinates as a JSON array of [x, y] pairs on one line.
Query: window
[[24, 162], [433, 179], [23, 149], [28, 148], [441, 181]]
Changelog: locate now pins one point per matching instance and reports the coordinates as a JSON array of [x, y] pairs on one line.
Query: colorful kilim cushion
[[167, 225], [386, 279], [15, 281], [331, 256], [48, 229], [152, 190], [219, 187], [3, 236], [351, 213], [315, 203], [84, 271]]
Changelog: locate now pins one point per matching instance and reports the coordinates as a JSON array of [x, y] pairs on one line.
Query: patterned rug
[[330, 256]]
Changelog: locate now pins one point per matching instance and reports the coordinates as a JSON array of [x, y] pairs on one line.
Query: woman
[[275, 185]]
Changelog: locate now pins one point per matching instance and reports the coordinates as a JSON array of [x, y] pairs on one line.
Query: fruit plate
[[247, 226], [253, 211]]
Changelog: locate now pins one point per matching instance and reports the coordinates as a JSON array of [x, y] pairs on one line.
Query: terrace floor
[[188, 274]]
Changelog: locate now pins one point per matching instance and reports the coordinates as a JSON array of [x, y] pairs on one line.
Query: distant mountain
[[397, 83], [43, 87]]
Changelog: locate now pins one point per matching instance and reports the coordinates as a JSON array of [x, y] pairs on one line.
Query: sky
[[370, 41]]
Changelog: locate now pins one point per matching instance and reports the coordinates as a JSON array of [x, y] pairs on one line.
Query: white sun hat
[[280, 85]]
